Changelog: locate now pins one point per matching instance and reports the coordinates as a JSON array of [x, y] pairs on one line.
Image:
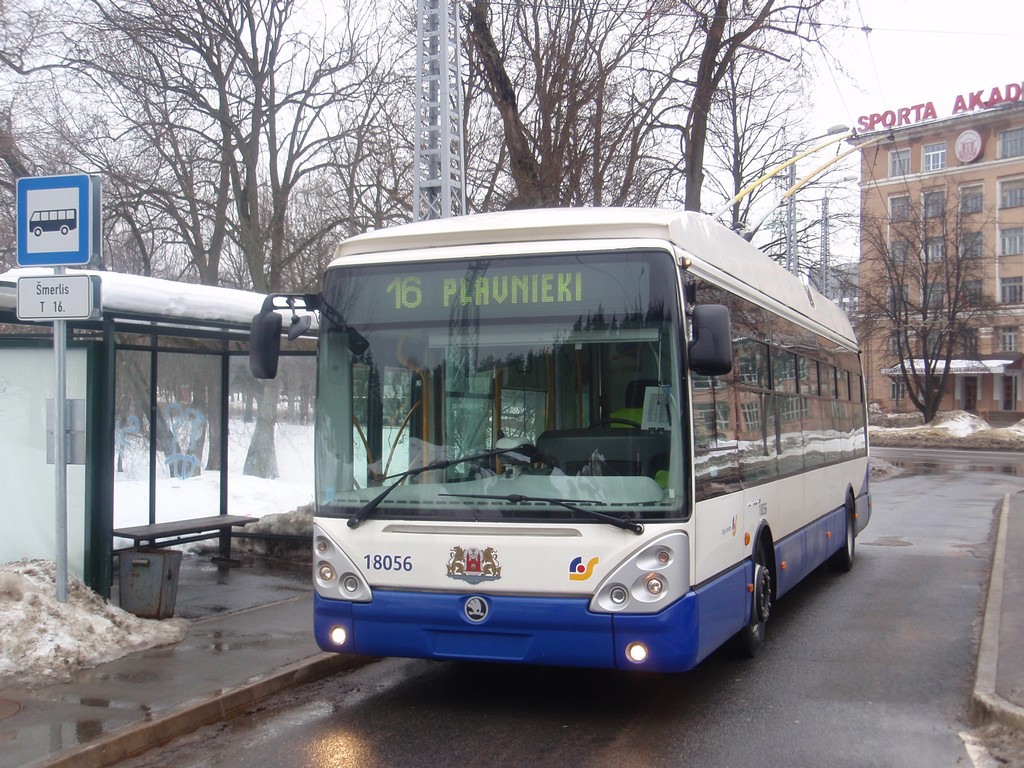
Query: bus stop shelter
[[163, 414]]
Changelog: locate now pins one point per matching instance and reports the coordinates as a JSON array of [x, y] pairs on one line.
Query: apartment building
[[942, 251]]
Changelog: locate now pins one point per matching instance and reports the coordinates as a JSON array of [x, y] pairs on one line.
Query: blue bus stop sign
[[58, 220]]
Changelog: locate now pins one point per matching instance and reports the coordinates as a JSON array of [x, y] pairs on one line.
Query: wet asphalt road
[[869, 668]]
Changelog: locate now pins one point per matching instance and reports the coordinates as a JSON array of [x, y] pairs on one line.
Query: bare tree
[[230, 98], [575, 89], [583, 89], [727, 28], [236, 109], [922, 278], [756, 103]]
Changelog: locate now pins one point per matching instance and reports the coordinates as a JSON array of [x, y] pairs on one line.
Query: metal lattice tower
[[438, 190]]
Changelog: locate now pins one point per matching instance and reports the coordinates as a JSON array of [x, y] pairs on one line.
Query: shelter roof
[[154, 301]]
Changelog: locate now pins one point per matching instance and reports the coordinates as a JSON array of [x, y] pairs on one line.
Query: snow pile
[[1014, 430], [951, 423], [959, 423], [951, 429], [44, 640]]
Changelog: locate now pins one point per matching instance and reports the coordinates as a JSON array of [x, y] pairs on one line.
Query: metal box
[[148, 582]]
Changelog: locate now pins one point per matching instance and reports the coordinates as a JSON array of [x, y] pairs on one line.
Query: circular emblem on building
[[968, 146], [475, 609]]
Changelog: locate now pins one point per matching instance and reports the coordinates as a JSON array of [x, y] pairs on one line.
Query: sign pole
[[59, 451], [59, 224]]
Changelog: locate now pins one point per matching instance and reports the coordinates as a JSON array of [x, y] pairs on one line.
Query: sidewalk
[[251, 637], [999, 681]]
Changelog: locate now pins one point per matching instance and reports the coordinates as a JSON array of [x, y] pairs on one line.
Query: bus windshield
[[556, 375]]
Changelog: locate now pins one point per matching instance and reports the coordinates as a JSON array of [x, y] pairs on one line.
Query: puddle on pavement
[[9, 708], [888, 541], [111, 704], [929, 467]]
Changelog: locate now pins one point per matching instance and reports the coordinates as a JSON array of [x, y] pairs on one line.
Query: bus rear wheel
[[842, 561], [750, 639]]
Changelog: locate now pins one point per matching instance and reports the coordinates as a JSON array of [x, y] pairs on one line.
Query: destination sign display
[[521, 288], [500, 288]]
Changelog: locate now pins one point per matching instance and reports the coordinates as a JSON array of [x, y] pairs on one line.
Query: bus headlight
[[338, 635], [636, 652], [652, 577], [335, 576], [655, 584], [325, 572]]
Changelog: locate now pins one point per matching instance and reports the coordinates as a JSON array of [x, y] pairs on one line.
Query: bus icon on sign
[[61, 220]]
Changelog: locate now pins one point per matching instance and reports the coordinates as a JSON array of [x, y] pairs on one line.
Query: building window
[[934, 295], [1011, 143], [1011, 194], [898, 250], [1008, 338], [899, 162], [751, 414], [934, 204], [899, 208], [969, 342], [972, 199], [972, 245], [1011, 241], [935, 250], [896, 390], [894, 343], [933, 157], [1011, 290], [971, 293], [898, 298]]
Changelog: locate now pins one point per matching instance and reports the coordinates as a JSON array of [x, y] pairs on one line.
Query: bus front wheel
[[750, 639]]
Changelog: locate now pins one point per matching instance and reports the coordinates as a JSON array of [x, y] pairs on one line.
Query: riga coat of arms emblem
[[474, 565]]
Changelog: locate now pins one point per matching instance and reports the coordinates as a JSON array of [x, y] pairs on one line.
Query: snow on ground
[[953, 423], [43, 640]]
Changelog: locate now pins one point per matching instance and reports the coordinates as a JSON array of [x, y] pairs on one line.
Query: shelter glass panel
[[132, 435]]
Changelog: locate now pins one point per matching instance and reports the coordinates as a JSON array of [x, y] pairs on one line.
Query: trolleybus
[[589, 437]]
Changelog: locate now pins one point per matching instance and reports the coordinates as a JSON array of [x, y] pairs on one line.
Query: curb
[[134, 740], [986, 705]]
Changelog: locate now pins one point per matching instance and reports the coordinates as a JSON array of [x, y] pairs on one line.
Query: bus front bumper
[[528, 630]]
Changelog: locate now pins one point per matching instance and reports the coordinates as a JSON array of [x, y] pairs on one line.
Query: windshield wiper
[[623, 522], [521, 451]]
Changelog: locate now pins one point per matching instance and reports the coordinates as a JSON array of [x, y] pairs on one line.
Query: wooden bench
[[184, 531]]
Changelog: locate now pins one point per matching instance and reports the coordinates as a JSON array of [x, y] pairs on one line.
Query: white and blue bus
[[589, 437]]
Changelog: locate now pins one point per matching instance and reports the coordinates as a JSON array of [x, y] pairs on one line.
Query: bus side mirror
[[711, 348], [265, 343]]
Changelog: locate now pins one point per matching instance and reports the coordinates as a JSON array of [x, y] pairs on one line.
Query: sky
[[919, 51], [915, 52]]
